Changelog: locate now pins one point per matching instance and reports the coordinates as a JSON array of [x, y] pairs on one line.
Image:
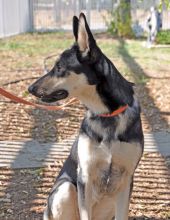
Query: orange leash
[[14, 98]]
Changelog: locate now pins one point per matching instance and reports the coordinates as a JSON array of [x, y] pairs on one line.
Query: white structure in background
[[152, 24], [15, 17]]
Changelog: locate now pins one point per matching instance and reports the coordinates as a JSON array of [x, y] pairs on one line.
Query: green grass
[[35, 44], [129, 56]]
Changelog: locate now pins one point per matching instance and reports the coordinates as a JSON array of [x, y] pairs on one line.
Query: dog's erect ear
[[75, 27], [85, 38]]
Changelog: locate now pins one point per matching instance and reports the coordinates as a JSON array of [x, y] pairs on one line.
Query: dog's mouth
[[55, 96]]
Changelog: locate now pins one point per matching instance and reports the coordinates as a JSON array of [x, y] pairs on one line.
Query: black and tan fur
[[96, 180]]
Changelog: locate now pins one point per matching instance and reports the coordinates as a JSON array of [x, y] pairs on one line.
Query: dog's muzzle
[[53, 97]]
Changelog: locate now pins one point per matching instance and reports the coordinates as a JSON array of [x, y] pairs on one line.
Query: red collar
[[114, 113]]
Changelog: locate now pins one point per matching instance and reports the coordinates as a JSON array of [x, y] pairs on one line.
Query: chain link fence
[[49, 15], [57, 14]]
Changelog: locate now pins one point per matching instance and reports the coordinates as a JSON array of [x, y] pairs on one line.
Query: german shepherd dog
[[96, 180]]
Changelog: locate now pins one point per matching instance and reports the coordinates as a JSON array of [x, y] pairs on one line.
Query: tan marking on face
[[77, 86], [51, 84]]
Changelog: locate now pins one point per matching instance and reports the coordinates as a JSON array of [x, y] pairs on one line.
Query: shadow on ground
[[24, 191], [139, 76], [152, 178]]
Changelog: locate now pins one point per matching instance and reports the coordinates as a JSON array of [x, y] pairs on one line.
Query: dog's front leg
[[84, 196], [84, 179], [122, 202]]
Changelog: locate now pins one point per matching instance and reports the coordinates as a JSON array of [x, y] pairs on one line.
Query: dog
[[95, 182]]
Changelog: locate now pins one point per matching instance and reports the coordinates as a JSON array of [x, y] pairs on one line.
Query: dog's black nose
[[32, 89]]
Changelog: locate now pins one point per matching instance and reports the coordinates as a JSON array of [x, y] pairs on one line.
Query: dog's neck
[[111, 93], [114, 90], [96, 104], [107, 91], [91, 99]]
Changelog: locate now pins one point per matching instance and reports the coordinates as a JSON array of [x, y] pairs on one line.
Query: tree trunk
[[124, 18]]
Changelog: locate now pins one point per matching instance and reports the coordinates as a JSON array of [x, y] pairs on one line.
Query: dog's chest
[[106, 165]]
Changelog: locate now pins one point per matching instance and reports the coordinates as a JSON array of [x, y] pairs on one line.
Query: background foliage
[[120, 23]]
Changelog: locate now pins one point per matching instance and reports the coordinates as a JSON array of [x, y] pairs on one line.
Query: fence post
[[31, 15], [2, 28], [57, 5], [88, 10], [76, 7]]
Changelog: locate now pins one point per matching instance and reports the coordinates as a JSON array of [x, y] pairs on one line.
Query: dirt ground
[[23, 192]]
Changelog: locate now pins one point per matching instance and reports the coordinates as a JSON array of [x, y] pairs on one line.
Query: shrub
[[120, 20], [163, 37]]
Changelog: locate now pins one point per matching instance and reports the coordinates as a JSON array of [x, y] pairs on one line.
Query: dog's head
[[72, 74], [83, 71]]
